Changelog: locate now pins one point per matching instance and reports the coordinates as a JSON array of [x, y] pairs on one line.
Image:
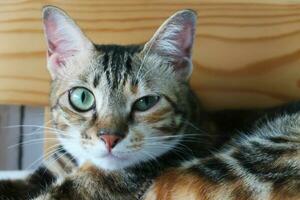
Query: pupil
[[83, 96], [146, 100]]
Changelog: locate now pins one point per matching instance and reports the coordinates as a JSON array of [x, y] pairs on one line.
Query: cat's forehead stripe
[[116, 62], [96, 80]]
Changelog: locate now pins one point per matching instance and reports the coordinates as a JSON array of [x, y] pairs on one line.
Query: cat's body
[[131, 128], [262, 165]]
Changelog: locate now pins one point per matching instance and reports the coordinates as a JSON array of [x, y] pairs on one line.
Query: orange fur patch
[[183, 185], [180, 185]]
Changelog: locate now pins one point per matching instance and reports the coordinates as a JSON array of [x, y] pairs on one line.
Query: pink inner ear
[[50, 28], [181, 39], [51, 48], [56, 61], [185, 40], [51, 32], [58, 41], [59, 47]]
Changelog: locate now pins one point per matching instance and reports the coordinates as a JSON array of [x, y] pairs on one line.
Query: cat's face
[[117, 106]]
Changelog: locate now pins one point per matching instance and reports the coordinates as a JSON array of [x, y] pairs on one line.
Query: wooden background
[[247, 53]]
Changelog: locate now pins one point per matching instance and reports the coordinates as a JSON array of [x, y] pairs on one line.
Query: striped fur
[[173, 151], [264, 165]]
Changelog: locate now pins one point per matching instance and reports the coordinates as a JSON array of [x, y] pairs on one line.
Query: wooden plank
[[247, 53]]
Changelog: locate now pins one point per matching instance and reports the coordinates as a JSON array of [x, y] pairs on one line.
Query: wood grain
[[247, 53]]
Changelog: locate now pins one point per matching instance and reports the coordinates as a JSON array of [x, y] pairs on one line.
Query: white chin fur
[[110, 164], [117, 162]]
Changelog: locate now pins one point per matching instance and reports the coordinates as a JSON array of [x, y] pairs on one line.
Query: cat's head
[[114, 105]]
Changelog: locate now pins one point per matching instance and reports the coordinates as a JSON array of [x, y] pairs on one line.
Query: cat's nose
[[110, 141]]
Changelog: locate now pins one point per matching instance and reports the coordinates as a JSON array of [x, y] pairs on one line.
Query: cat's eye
[[81, 99], [145, 103]]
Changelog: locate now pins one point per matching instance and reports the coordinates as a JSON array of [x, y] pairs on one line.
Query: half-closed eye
[[145, 103]]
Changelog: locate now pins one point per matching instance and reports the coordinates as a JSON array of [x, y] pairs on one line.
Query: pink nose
[[110, 141]]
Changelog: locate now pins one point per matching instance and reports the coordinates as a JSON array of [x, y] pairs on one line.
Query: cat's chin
[[111, 162]]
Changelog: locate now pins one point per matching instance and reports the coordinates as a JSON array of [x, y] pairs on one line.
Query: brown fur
[[157, 116], [287, 190]]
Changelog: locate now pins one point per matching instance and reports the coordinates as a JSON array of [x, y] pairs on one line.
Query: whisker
[[51, 151], [33, 126], [192, 125], [57, 158], [152, 157], [173, 136], [144, 58], [178, 151], [34, 141]]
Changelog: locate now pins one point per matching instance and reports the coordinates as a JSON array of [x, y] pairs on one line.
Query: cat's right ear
[[64, 39], [174, 41]]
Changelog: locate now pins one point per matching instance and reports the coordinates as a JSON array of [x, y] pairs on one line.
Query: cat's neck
[[200, 133]]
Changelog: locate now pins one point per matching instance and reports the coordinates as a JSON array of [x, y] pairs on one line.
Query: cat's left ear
[[64, 39], [174, 41]]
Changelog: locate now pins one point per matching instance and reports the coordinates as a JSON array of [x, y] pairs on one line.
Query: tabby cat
[[130, 127]]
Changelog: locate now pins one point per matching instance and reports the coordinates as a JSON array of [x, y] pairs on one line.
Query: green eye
[[145, 103], [81, 99]]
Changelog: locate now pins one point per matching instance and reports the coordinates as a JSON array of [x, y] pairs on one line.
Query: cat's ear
[[174, 41], [64, 39]]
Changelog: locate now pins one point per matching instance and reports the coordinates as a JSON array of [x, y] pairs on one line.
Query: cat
[[130, 127]]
